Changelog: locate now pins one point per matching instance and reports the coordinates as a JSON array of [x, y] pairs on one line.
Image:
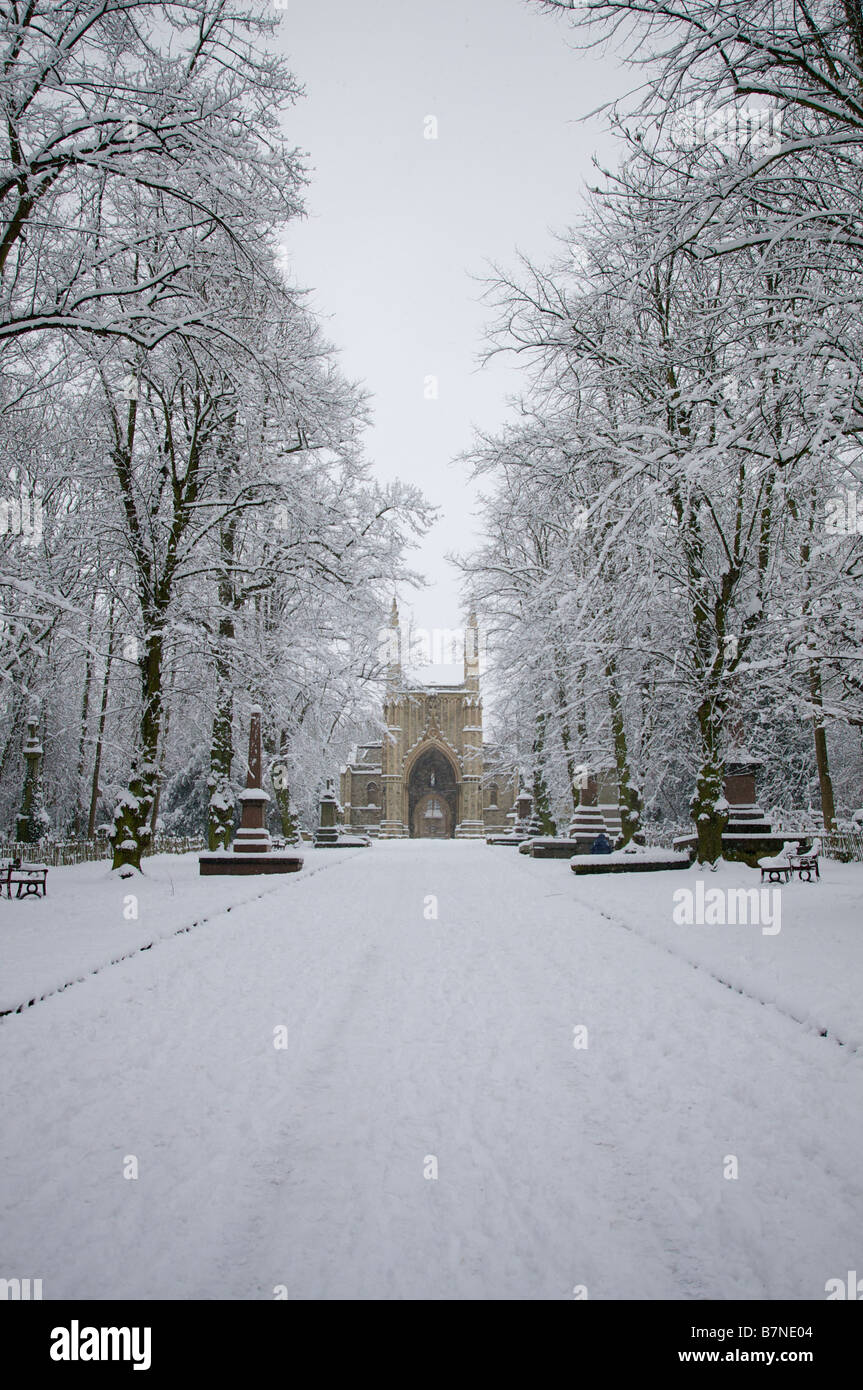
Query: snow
[[413, 1037]]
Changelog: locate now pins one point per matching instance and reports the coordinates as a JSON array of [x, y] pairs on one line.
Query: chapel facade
[[431, 776]]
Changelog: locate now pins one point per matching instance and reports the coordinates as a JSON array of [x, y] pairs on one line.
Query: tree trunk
[[78, 816], [628, 795], [708, 804], [131, 831], [13, 742], [541, 802], [565, 732], [100, 731], [825, 781], [221, 808], [282, 793], [220, 811], [161, 776]]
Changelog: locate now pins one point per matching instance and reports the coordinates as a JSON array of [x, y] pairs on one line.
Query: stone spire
[[394, 648], [471, 653]]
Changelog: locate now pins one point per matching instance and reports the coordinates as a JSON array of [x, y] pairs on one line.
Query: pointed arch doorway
[[432, 797]]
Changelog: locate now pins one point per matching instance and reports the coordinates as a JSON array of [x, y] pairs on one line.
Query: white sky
[[398, 224]]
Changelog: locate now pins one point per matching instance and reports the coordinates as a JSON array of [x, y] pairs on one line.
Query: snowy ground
[[412, 1038]]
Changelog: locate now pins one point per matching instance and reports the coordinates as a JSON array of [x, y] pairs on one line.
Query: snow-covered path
[[411, 1038]]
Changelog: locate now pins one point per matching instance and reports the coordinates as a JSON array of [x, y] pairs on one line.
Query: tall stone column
[[392, 777], [392, 782], [392, 825], [471, 655], [31, 822], [252, 836], [471, 824]]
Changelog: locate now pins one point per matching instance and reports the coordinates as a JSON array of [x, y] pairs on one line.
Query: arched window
[[492, 796], [372, 794]]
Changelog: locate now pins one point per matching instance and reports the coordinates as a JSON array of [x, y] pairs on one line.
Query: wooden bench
[[791, 861], [804, 865], [31, 880], [778, 868]]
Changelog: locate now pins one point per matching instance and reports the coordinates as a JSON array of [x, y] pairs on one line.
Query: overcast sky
[[399, 224]]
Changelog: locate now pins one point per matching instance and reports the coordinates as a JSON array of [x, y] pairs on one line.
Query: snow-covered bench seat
[[777, 867], [806, 864], [31, 879], [791, 860]]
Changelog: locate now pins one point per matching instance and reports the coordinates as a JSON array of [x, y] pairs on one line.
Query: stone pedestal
[[253, 837], [745, 816], [748, 835], [587, 821], [470, 830], [327, 834], [519, 830]]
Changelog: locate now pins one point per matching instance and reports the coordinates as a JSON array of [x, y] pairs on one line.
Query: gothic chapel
[[431, 777]]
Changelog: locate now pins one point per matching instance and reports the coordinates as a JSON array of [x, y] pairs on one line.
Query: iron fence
[[58, 853], [844, 845]]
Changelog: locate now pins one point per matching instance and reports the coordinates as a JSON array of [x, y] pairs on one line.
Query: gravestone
[[587, 820], [519, 830], [327, 834]]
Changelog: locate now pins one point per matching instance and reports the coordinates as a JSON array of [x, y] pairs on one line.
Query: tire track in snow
[[659, 1208], [409, 1037], [810, 1027], [180, 931]]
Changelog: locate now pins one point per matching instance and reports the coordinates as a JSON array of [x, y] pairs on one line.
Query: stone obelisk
[[252, 851], [253, 836]]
